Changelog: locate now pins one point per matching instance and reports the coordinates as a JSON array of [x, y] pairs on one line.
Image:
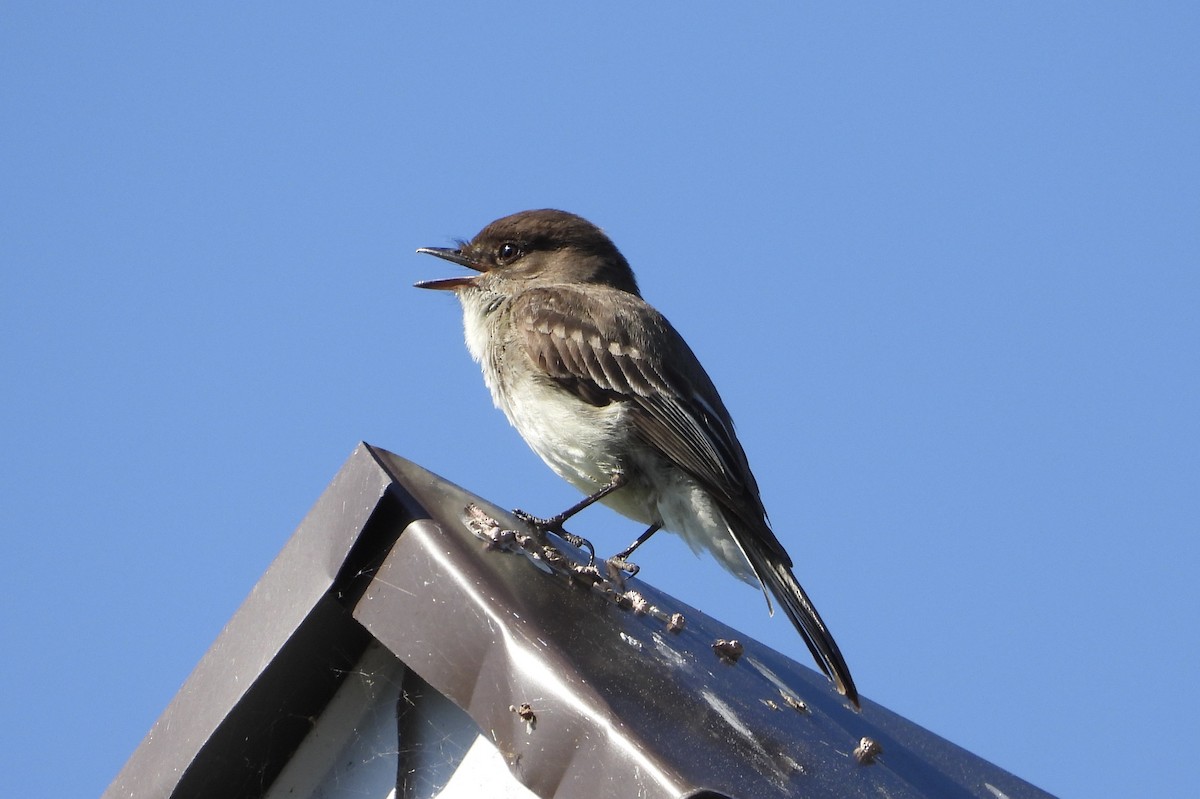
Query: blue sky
[[942, 260]]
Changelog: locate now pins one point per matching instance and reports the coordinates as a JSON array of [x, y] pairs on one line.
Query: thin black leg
[[555, 523], [641, 539], [621, 559]]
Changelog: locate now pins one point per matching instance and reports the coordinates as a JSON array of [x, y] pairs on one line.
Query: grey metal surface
[[618, 705], [351, 749], [625, 707], [245, 707]]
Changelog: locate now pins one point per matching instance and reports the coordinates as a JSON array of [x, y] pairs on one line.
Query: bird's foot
[[621, 562], [555, 525], [617, 563], [550, 525], [606, 577]]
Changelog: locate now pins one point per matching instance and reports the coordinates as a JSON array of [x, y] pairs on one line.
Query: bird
[[606, 391]]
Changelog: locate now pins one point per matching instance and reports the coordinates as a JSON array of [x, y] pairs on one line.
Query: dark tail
[[776, 576]]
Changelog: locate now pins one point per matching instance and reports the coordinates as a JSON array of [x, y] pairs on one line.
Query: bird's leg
[[554, 524], [621, 559]]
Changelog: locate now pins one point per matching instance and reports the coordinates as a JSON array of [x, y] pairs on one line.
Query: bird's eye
[[508, 251]]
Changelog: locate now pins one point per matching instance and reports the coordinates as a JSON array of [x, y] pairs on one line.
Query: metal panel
[[623, 706], [582, 696]]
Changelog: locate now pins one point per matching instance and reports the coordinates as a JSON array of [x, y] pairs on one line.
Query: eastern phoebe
[[601, 386]]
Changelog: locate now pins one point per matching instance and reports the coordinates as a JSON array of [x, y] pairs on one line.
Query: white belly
[[581, 443]]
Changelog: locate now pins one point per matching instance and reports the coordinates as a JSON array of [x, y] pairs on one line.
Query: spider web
[[387, 734]]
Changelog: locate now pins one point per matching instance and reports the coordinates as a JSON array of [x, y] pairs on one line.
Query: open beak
[[450, 283]]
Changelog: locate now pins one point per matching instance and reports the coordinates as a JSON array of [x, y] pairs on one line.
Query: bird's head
[[535, 248]]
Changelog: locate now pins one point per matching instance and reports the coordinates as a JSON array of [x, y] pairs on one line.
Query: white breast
[[585, 444], [577, 440]]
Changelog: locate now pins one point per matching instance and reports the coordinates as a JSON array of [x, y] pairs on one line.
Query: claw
[[619, 563], [555, 525]]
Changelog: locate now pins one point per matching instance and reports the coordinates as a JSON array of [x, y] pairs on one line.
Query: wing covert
[[674, 405]]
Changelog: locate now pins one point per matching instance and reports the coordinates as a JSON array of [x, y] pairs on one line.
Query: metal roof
[[585, 691]]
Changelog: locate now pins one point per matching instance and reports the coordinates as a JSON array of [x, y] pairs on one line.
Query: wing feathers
[[601, 361], [676, 409], [778, 578]]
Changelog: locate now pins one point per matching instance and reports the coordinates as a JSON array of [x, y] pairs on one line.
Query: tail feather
[[776, 576]]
